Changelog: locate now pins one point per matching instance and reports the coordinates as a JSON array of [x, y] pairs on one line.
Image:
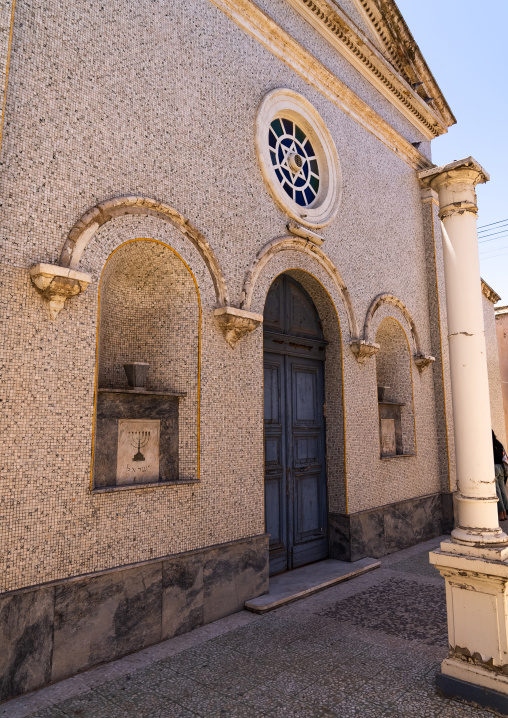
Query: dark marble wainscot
[[103, 617], [26, 641], [54, 631], [385, 529]]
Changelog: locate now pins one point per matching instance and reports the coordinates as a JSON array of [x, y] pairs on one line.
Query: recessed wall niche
[[149, 314], [395, 391]]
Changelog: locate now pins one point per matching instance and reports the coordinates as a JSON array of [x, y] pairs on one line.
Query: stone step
[[302, 582]]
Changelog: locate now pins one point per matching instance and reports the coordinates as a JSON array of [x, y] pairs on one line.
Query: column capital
[[467, 171], [455, 184]]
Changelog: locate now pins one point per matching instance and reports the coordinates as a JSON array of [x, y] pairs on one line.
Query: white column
[[474, 562], [477, 502]]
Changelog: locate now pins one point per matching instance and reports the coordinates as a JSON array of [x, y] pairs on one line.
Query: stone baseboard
[[54, 631], [393, 527], [478, 696]]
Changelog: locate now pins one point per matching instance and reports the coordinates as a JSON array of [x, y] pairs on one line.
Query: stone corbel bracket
[[236, 323], [363, 350], [57, 284], [305, 233], [422, 361]]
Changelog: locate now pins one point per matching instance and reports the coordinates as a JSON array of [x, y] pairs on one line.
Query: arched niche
[[149, 312], [395, 390]]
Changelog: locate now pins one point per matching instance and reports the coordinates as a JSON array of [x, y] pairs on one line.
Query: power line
[[499, 229], [493, 249], [494, 239], [488, 251], [494, 256], [490, 225]]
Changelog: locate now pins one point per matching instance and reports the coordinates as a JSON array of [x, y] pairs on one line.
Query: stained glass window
[[294, 161]]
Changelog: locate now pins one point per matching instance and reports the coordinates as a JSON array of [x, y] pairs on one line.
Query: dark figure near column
[[502, 500]]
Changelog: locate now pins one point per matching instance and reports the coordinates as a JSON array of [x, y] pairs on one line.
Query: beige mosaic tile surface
[[160, 100]]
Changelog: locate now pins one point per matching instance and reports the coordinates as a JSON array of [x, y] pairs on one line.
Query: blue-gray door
[[295, 475]]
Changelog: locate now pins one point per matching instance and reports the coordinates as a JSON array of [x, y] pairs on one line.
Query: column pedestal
[[476, 669]]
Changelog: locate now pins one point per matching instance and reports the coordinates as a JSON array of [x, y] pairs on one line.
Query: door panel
[[272, 389], [305, 395], [305, 450], [275, 462], [309, 509], [274, 518], [306, 456]]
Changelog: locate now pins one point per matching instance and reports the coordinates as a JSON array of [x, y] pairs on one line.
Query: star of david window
[[294, 161], [298, 159]]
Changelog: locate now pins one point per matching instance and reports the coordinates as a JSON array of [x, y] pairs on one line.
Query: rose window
[[294, 161]]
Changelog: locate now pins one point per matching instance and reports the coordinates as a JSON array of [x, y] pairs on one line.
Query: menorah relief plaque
[[138, 451], [136, 438], [388, 439]]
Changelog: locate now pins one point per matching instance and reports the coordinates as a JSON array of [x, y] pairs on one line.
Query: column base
[[477, 606], [473, 684]]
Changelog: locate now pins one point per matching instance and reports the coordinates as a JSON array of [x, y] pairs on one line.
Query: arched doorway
[[295, 467]]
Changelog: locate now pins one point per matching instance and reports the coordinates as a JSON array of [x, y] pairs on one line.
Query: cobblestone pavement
[[369, 647]]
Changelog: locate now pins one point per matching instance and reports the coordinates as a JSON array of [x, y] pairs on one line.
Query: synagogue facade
[[225, 345]]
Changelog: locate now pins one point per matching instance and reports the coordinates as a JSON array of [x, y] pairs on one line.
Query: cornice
[[259, 25], [489, 293], [338, 29], [403, 52], [458, 170]]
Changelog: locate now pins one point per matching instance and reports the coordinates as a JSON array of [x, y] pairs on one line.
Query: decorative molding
[[282, 244], [236, 323], [454, 172], [458, 208], [398, 304], [363, 350], [336, 27], [285, 103], [259, 25], [429, 196], [57, 284], [305, 233], [86, 227], [422, 361], [404, 54], [488, 292]]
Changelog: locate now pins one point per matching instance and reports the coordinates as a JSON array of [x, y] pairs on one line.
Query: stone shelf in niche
[[143, 391], [392, 403], [398, 456], [134, 487]]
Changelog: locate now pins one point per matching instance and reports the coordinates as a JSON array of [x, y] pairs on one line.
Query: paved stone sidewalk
[[366, 648]]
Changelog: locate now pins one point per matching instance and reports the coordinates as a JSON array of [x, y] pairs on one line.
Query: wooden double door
[[295, 466]]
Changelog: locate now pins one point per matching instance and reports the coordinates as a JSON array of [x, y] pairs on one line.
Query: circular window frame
[[284, 103]]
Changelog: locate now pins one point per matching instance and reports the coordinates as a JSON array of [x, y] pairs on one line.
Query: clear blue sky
[[465, 44]]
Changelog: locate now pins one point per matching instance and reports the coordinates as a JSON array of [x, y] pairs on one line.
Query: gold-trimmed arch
[[287, 243], [86, 227], [421, 359], [394, 301]]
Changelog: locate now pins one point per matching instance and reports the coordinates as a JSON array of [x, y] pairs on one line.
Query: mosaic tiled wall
[[393, 370], [160, 100]]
